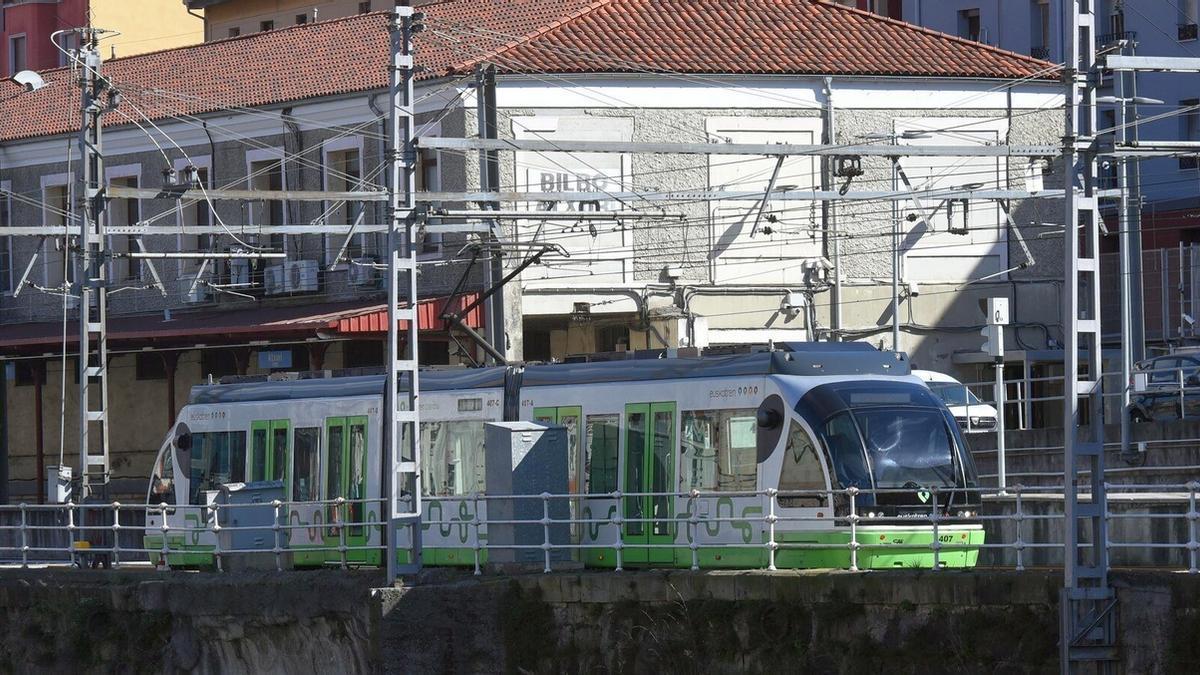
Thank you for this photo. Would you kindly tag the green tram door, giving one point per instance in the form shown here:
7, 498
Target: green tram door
269, 451
649, 468
346, 477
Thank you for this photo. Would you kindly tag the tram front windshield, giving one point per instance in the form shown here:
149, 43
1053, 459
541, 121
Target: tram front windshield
907, 446
887, 434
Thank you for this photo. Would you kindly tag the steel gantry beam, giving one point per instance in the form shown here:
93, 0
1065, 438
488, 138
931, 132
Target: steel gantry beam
768, 149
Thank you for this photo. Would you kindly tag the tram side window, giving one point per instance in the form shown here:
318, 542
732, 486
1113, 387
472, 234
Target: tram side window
600, 460
217, 457
452, 457
306, 467
718, 450
846, 451
801, 470
162, 488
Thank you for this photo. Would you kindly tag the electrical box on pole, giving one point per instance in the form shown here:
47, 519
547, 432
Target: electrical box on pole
997, 319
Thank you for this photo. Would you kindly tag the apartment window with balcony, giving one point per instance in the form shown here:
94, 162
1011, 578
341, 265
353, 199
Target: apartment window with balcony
1040, 31
16, 54
1189, 16
968, 25
1189, 129
6, 253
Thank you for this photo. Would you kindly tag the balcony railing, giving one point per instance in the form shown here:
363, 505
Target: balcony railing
1187, 31
1108, 39
1042, 53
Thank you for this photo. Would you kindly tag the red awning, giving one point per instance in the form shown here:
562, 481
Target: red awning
269, 322
429, 316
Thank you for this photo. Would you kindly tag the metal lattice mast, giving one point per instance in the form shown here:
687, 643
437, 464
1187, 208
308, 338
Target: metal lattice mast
1087, 621
402, 459
91, 274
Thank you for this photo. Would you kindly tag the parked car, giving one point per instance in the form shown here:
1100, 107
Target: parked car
972, 415
1163, 398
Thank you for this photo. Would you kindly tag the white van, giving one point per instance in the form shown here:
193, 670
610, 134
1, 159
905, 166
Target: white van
973, 415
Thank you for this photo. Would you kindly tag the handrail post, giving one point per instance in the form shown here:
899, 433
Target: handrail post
771, 518
1182, 402
339, 508
693, 519
166, 530
216, 528
853, 493
1193, 544
24, 537
1019, 518
116, 531
546, 531
619, 521
278, 545
936, 544
475, 522
71, 531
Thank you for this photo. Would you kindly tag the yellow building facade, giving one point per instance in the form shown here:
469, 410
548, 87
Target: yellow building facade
146, 26
230, 18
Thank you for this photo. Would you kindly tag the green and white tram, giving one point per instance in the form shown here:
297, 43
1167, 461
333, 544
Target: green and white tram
673, 437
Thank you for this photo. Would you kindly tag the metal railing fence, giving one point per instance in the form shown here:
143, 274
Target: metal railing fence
1149, 525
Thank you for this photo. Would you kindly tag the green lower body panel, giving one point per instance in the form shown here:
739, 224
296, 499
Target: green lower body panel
178, 554
890, 548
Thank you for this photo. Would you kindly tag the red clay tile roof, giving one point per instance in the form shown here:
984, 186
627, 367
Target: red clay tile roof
347, 55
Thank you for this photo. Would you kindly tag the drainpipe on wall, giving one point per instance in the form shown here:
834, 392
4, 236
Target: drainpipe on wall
39, 371
3, 431
833, 244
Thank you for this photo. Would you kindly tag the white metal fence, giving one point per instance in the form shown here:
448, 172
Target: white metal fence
1149, 526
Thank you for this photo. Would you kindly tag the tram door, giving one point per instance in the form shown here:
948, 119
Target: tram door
269, 451
571, 418
649, 468
346, 477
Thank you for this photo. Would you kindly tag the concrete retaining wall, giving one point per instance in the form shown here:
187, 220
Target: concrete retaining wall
630, 622
70, 621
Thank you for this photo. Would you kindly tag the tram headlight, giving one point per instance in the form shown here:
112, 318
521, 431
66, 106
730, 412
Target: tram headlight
966, 513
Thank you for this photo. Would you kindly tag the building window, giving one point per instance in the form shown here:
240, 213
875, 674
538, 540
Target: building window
301, 19
968, 25
363, 354
1040, 30
267, 174
429, 179
67, 43
150, 366
234, 32
218, 363
196, 213
343, 173
56, 212
6, 253
265, 26
364, 7
29, 373
124, 213
16, 54
1189, 16
1189, 128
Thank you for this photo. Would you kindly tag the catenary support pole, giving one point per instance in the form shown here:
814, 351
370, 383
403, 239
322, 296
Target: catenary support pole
402, 457
98, 97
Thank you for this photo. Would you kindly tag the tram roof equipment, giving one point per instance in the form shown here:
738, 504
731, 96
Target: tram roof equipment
800, 359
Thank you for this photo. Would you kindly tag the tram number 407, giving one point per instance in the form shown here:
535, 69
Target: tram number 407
946, 538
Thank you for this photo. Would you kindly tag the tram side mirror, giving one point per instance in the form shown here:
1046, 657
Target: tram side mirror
769, 418
183, 438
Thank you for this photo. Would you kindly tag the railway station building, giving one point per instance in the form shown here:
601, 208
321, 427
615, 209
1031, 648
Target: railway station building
304, 108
